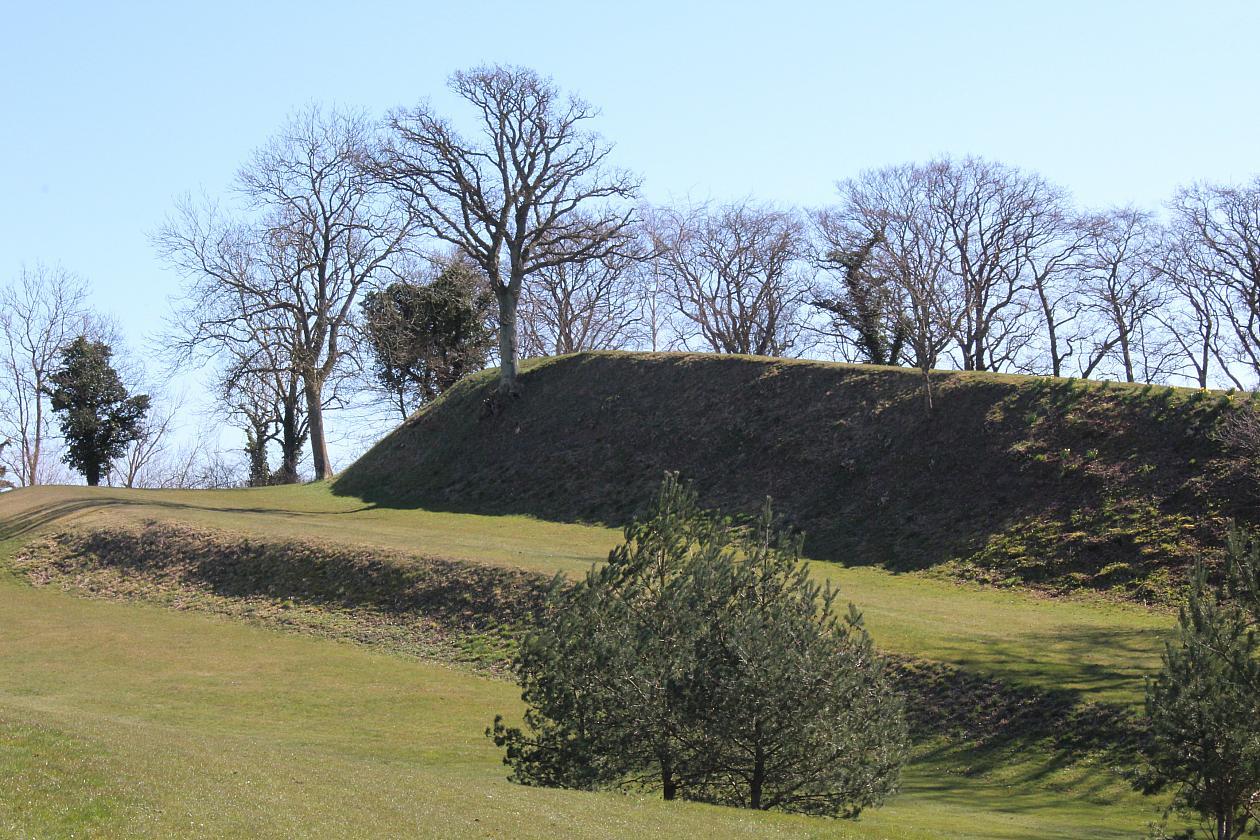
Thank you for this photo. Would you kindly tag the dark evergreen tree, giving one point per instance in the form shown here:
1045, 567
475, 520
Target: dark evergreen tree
1203, 710
99, 419
865, 307
426, 337
4, 484
702, 661
794, 704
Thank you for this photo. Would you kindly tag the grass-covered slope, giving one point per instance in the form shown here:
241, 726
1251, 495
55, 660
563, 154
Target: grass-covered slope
1103, 650
1047, 481
122, 720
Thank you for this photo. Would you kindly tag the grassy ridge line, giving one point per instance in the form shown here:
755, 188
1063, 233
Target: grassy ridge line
182, 725
1056, 483
1103, 650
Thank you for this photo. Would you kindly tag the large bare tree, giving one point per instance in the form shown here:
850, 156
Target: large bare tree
531, 193
290, 274
1120, 287
890, 212
40, 312
735, 275
1192, 321
1219, 232
994, 216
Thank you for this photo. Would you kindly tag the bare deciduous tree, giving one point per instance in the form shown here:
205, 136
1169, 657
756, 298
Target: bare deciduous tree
995, 216
41, 312
590, 305
1192, 320
531, 194
891, 208
735, 275
290, 277
1052, 250
1219, 231
1120, 287
151, 445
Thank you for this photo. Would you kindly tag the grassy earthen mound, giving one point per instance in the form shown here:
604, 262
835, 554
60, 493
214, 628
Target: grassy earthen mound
1057, 483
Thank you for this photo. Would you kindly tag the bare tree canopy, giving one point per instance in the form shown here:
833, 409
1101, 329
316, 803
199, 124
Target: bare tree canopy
289, 276
1120, 287
532, 192
994, 217
1218, 233
735, 274
40, 313
594, 304
886, 216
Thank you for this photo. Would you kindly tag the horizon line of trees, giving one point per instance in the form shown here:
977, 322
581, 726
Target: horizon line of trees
325, 280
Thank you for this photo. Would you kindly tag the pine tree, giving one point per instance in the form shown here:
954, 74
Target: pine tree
702, 661
1203, 711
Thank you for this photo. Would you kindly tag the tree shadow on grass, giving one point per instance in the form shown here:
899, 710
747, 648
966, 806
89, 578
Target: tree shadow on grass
1108, 662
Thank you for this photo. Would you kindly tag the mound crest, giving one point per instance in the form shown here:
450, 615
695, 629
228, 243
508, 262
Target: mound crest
1052, 482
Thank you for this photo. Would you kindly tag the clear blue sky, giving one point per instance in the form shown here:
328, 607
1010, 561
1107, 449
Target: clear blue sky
112, 109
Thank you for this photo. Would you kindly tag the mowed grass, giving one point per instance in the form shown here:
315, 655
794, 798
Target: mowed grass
126, 720
1103, 650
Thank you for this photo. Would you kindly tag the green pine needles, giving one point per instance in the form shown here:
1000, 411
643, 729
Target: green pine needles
1204, 707
703, 662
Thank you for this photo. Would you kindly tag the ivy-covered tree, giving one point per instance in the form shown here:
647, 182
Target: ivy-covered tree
864, 309
702, 661
4, 485
426, 337
99, 418
1203, 706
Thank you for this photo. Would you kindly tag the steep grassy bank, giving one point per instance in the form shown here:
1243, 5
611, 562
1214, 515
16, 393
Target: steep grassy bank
1057, 483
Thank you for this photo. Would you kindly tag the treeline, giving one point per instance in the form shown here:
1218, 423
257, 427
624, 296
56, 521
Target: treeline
357, 260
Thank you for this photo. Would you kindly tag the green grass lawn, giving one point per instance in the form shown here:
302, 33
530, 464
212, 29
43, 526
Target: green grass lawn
1104, 650
123, 719
126, 720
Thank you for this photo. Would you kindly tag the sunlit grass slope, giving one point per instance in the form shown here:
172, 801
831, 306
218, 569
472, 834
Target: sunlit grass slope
1102, 649
124, 720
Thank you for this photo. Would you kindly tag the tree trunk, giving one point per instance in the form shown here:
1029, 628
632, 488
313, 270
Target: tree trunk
32, 467
1126, 355
669, 787
93, 475
256, 451
290, 440
758, 779
1047, 312
507, 341
315, 420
